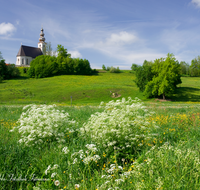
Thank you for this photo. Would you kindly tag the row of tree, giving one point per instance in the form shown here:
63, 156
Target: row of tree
7, 71
63, 64
111, 69
158, 78
192, 70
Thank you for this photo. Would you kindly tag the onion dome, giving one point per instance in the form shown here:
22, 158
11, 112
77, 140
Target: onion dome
42, 38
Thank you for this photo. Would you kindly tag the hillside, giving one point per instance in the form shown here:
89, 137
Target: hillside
85, 90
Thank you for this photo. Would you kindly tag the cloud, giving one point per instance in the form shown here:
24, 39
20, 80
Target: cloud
6, 29
75, 54
121, 38
196, 2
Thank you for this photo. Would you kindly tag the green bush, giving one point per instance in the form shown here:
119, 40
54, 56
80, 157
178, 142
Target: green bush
114, 70
8, 71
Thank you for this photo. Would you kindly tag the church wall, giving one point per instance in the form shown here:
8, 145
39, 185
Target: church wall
23, 60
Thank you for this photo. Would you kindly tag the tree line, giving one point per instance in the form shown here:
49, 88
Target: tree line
62, 64
7, 71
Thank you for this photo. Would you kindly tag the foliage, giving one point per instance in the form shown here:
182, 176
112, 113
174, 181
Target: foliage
123, 125
62, 52
8, 71
104, 67
3, 69
1, 57
166, 77
134, 67
143, 74
43, 66
39, 124
48, 49
12, 71
114, 70
195, 67
46, 65
185, 67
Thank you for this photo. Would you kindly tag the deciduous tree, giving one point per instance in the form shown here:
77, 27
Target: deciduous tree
166, 75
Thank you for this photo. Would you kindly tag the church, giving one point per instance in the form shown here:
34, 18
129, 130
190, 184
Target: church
26, 53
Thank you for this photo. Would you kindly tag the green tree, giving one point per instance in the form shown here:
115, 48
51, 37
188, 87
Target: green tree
195, 67
62, 52
134, 67
143, 74
3, 69
104, 67
166, 75
184, 68
48, 49
1, 57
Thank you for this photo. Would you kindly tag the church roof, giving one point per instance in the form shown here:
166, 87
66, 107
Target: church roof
29, 51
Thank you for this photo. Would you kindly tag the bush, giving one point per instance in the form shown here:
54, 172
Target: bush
44, 124
8, 71
123, 125
46, 66
114, 70
12, 71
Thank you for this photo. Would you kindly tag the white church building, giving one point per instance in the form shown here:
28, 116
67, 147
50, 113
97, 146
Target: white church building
26, 53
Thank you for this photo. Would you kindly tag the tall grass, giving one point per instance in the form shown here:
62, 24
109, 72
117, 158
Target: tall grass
169, 160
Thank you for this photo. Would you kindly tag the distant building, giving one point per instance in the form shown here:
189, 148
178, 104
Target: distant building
26, 53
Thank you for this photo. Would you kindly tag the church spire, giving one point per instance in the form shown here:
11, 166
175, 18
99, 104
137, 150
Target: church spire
41, 43
42, 38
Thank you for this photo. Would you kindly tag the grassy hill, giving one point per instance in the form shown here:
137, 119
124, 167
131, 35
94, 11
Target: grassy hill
85, 90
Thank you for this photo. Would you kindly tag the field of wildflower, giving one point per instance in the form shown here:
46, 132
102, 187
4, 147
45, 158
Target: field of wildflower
121, 144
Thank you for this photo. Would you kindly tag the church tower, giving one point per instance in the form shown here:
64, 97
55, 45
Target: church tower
41, 43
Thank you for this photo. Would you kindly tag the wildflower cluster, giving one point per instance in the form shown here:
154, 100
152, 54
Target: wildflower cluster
86, 157
39, 124
123, 125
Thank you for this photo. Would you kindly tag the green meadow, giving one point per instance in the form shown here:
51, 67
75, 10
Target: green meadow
165, 153
59, 89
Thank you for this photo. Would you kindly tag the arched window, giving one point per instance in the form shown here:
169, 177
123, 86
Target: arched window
18, 61
23, 61
27, 61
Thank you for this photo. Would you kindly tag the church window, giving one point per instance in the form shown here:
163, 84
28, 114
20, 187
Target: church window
27, 61
18, 61
22, 61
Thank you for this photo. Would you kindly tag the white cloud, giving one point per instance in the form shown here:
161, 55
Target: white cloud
75, 54
121, 38
6, 29
196, 2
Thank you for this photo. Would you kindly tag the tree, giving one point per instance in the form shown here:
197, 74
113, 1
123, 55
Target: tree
62, 52
3, 69
104, 67
184, 68
1, 57
48, 49
143, 74
134, 67
166, 75
195, 67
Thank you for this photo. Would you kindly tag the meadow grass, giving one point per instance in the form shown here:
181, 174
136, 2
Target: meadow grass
85, 90
171, 160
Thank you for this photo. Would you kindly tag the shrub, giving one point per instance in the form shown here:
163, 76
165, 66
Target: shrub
123, 125
39, 124
12, 71
114, 70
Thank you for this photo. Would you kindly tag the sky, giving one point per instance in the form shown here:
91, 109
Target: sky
110, 32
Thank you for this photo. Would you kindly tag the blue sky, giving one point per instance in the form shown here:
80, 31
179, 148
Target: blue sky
110, 32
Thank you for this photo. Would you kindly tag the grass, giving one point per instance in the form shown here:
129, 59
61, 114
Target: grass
169, 161
83, 89
174, 165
